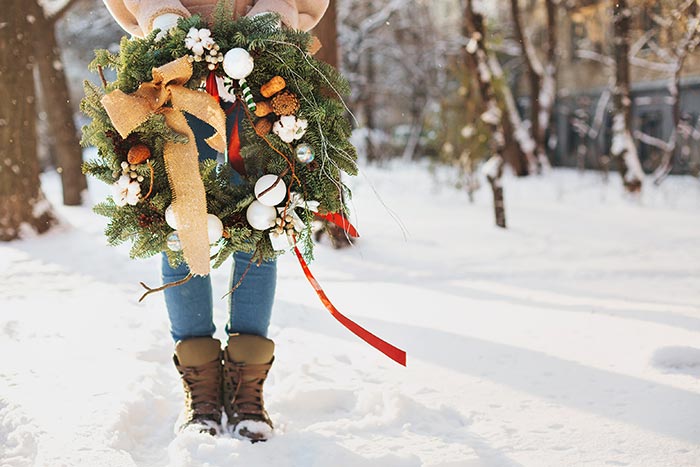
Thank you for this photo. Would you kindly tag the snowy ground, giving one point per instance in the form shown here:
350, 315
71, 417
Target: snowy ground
571, 339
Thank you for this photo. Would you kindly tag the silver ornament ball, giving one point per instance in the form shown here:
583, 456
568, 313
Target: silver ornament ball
305, 153
174, 242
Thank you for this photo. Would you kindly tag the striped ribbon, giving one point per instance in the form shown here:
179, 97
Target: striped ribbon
247, 94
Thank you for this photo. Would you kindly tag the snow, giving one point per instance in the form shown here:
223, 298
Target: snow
623, 146
570, 339
492, 167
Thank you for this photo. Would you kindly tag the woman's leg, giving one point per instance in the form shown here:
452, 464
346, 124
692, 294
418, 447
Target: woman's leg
189, 305
251, 303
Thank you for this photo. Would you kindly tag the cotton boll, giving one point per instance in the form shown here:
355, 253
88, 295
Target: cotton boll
126, 191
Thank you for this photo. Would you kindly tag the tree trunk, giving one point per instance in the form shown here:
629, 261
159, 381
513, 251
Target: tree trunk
623, 147
548, 89
541, 78
327, 32
534, 76
666, 164
58, 108
687, 45
473, 26
22, 202
498, 199
369, 104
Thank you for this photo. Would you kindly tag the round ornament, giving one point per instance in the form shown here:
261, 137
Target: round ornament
261, 217
174, 242
270, 196
170, 217
238, 63
215, 228
304, 153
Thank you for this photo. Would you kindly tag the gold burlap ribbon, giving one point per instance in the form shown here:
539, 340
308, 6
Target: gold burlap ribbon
128, 111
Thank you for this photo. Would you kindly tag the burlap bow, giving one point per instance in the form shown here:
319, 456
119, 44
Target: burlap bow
128, 111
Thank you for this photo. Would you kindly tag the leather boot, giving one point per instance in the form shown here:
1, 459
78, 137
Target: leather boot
247, 360
199, 362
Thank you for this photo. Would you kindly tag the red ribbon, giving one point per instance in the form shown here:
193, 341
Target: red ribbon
212, 87
394, 353
340, 220
234, 142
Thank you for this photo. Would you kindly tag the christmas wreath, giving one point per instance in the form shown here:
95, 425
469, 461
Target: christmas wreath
285, 148
288, 147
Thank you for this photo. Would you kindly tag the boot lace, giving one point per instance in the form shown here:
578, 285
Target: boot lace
245, 384
202, 385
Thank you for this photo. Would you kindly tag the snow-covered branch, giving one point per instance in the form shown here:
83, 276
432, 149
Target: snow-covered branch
596, 57
653, 141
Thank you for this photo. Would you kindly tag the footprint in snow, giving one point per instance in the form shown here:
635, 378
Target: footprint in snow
678, 359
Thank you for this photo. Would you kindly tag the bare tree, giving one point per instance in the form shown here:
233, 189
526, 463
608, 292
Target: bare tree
57, 100
327, 32
22, 203
477, 60
541, 77
365, 43
519, 143
623, 147
670, 59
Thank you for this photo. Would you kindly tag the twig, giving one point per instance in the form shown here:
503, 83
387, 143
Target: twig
150, 189
163, 287
102, 76
240, 281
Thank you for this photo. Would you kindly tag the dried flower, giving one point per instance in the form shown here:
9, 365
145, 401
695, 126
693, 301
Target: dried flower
198, 40
126, 191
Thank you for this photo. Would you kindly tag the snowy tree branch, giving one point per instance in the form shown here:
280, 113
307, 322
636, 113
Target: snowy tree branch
653, 141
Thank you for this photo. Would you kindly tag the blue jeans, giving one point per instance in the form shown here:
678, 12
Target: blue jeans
190, 305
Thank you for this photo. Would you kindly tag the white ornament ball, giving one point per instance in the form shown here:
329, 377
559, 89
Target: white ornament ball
274, 196
238, 63
170, 217
215, 228
261, 217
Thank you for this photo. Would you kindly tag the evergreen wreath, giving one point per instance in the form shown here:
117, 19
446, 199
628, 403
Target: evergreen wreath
295, 134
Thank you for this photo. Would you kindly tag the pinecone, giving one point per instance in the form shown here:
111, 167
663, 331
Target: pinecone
122, 145
285, 103
145, 220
